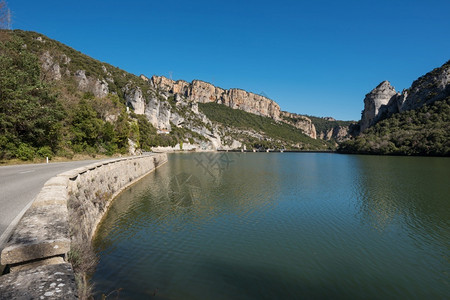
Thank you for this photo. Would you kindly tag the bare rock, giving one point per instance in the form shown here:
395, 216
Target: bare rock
176, 119
65, 59
158, 113
301, 122
431, 87
204, 92
98, 88
81, 79
135, 99
143, 77
379, 96
50, 67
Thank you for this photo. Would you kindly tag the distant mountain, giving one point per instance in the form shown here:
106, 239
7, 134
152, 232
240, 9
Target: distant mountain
414, 122
55, 100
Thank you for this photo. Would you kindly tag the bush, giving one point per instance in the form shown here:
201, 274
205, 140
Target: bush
25, 152
45, 152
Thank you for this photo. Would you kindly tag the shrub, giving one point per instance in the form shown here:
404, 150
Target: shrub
25, 152
45, 151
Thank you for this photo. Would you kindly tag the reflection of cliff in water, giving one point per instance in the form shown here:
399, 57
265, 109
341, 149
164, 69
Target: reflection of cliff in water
411, 191
186, 191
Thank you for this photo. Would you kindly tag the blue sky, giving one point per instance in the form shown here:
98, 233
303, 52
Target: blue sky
313, 57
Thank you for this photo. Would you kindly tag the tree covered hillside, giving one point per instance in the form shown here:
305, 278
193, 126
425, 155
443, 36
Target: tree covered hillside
278, 135
424, 131
43, 118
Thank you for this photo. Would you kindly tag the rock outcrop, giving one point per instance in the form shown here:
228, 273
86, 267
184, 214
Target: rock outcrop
301, 122
383, 101
158, 113
135, 99
200, 91
379, 96
431, 87
50, 67
88, 84
172, 107
337, 133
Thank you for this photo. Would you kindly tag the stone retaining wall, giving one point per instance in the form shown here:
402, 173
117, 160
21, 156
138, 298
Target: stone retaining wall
66, 211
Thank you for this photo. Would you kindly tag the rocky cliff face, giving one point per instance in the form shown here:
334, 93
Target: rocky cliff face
203, 92
99, 88
183, 113
50, 67
383, 101
431, 87
338, 133
379, 96
301, 122
135, 99
170, 106
54, 67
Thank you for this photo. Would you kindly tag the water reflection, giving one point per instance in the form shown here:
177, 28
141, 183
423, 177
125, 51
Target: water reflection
404, 190
408, 198
184, 190
265, 226
187, 192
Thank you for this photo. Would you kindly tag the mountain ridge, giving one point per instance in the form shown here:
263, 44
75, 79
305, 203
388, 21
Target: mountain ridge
94, 97
384, 101
414, 122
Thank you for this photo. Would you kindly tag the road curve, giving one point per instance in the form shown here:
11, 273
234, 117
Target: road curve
20, 184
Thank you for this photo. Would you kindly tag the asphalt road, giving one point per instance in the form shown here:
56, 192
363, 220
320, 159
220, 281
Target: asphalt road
20, 184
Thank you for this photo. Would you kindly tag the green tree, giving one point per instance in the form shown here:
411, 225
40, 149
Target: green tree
122, 131
29, 112
86, 126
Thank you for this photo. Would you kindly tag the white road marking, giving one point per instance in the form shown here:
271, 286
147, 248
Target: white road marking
26, 172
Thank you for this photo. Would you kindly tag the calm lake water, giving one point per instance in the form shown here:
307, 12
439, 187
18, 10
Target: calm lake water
280, 226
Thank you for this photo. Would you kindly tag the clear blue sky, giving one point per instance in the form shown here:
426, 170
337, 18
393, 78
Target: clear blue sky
313, 57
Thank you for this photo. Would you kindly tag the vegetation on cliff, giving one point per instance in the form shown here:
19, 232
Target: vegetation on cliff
323, 125
30, 113
36, 121
278, 135
40, 117
54, 103
424, 131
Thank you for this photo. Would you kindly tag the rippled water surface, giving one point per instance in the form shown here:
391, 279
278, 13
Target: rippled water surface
280, 226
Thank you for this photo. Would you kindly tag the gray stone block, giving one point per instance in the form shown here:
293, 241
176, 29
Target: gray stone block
51, 195
45, 282
49, 261
43, 232
57, 180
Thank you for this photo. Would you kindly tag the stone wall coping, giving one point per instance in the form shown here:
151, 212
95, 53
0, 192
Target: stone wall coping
41, 238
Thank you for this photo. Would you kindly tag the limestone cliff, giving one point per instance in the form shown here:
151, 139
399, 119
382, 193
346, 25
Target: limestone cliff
54, 67
135, 99
203, 92
176, 109
337, 133
379, 96
383, 101
90, 84
301, 122
431, 87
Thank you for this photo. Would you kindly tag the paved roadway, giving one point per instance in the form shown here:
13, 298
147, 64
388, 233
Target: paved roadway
20, 184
